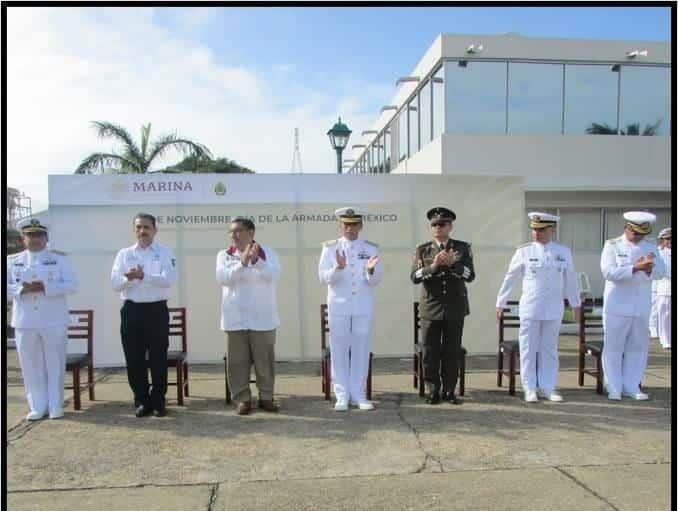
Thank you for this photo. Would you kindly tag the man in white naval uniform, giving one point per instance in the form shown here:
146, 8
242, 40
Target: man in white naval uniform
629, 264
548, 277
38, 281
351, 269
661, 290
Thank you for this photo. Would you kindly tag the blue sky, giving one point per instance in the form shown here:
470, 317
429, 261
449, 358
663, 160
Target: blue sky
241, 79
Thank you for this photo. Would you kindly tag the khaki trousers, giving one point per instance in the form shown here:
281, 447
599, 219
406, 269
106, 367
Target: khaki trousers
245, 347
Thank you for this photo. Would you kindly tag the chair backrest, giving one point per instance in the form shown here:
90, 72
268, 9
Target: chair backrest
510, 319
81, 327
177, 325
324, 326
584, 285
590, 321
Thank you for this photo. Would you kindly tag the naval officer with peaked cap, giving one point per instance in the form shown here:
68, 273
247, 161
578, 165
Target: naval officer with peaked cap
351, 268
629, 264
661, 290
38, 280
548, 277
442, 266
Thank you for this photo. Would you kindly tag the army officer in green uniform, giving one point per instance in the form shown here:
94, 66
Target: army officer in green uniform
442, 266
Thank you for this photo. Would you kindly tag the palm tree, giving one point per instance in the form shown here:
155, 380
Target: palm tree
650, 130
134, 158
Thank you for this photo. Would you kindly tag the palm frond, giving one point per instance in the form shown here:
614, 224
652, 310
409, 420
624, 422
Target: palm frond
109, 130
184, 146
98, 162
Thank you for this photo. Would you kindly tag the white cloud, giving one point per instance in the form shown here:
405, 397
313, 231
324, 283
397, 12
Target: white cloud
69, 66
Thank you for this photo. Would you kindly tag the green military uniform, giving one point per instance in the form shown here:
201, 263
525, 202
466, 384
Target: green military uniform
442, 308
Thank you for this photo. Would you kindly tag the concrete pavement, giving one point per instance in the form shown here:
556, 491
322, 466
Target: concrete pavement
494, 451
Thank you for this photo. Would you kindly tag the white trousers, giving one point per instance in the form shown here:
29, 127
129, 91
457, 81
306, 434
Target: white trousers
626, 340
654, 318
350, 334
664, 320
538, 341
42, 355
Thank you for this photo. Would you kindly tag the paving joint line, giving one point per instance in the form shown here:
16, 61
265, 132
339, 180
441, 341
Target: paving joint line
587, 488
428, 457
214, 492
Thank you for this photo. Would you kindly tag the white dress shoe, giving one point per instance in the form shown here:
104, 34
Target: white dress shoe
34, 416
614, 396
365, 405
58, 414
638, 396
341, 406
531, 396
551, 396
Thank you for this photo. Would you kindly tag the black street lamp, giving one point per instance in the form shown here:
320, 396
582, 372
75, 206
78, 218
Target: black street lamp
339, 135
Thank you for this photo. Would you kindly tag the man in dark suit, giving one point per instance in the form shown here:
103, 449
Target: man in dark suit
443, 266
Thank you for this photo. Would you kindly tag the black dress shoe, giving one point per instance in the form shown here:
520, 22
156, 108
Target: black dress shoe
143, 411
453, 399
160, 412
433, 398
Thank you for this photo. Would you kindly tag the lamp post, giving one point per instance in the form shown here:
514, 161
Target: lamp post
339, 135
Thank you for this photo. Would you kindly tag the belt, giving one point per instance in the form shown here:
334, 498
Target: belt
142, 304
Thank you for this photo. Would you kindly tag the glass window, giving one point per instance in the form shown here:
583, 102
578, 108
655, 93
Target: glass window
645, 101
590, 99
475, 97
402, 135
387, 149
535, 100
437, 103
425, 114
413, 108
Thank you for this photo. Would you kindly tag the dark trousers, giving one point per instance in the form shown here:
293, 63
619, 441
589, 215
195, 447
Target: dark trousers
144, 328
442, 343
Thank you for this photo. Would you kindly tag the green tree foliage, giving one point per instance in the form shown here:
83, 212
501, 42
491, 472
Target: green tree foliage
207, 165
135, 158
650, 130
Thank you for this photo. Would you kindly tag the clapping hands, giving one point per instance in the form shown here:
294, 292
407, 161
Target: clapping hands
135, 273
251, 254
341, 259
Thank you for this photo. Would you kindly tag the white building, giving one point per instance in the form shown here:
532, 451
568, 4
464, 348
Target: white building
587, 123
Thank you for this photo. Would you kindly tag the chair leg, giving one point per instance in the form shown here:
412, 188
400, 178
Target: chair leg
415, 368
369, 379
500, 367
582, 363
422, 382
327, 378
512, 373
462, 374
599, 375
185, 365
228, 391
90, 381
76, 387
322, 375
180, 383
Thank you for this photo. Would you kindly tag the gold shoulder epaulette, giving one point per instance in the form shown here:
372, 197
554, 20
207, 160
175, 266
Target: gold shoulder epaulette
612, 240
524, 244
329, 243
422, 245
60, 252
371, 243
14, 256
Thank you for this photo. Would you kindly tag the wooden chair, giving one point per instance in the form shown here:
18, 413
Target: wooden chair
591, 342
418, 359
178, 358
81, 327
508, 349
325, 361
